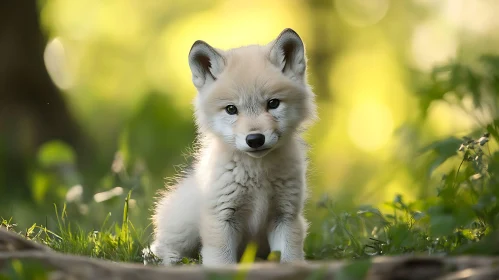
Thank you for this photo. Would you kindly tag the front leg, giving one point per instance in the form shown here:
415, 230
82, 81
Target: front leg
288, 228
287, 235
221, 227
220, 238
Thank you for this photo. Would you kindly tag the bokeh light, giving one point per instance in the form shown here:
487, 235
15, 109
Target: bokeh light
370, 125
362, 13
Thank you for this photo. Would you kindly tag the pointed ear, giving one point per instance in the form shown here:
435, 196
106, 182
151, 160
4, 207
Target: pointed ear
288, 54
206, 64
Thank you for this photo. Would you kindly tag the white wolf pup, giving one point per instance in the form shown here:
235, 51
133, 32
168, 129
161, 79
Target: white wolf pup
248, 182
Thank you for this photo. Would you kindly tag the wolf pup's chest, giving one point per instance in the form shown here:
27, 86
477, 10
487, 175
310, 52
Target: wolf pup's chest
251, 177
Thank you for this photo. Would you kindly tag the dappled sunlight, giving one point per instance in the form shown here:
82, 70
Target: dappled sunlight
474, 16
435, 36
369, 91
362, 13
400, 184
74, 193
368, 69
446, 119
370, 125
103, 196
387, 189
87, 21
56, 64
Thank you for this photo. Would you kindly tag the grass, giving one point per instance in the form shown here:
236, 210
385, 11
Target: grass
116, 242
461, 219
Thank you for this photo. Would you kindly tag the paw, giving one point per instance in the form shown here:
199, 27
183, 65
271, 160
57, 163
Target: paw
152, 255
211, 256
149, 257
297, 258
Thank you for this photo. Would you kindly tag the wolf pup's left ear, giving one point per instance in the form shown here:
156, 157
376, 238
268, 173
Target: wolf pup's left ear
288, 54
206, 64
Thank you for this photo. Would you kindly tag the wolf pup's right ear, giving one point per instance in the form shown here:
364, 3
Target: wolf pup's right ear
288, 54
206, 64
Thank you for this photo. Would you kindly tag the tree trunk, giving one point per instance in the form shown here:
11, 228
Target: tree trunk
32, 110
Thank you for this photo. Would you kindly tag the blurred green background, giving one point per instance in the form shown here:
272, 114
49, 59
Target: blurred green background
96, 96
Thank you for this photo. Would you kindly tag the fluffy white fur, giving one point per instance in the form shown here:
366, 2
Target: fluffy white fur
234, 193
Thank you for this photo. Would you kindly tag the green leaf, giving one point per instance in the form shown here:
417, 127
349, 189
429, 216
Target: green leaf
447, 147
40, 186
55, 153
442, 225
417, 215
444, 149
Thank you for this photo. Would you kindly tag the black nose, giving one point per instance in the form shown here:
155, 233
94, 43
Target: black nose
255, 140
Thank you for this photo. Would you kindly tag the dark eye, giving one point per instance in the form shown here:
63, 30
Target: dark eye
231, 109
273, 103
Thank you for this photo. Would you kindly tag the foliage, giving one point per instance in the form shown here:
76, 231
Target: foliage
462, 216
117, 242
456, 221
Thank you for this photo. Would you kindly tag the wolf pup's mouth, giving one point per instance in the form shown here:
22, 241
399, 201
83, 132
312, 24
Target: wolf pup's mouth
258, 153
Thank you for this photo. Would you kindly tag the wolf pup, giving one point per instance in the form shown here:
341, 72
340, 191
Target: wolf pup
248, 182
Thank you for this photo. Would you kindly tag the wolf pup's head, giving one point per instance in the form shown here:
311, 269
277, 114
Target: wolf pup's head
253, 98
